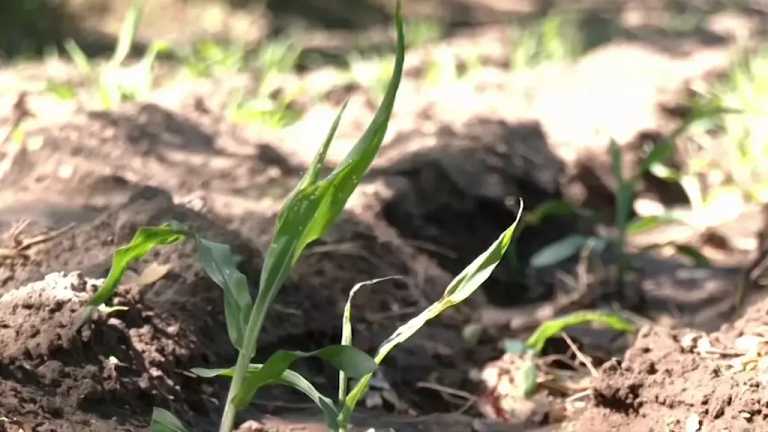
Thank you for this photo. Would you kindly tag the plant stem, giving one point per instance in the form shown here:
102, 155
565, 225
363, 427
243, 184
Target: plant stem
250, 342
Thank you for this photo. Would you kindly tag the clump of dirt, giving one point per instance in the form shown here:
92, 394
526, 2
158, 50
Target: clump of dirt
110, 375
686, 380
104, 376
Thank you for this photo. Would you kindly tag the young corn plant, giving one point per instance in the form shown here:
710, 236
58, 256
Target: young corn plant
624, 224
308, 213
532, 347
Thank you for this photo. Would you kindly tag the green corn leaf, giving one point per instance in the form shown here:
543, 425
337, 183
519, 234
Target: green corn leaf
127, 33
660, 154
643, 224
351, 360
78, 57
145, 239
288, 378
220, 264
550, 208
617, 167
553, 327
346, 329
625, 189
694, 254
457, 291
624, 197
315, 204
559, 250
165, 421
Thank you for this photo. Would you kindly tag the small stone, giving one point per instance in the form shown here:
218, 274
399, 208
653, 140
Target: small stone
693, 423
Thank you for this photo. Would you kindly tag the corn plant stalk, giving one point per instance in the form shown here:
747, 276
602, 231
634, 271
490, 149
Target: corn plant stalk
307, 214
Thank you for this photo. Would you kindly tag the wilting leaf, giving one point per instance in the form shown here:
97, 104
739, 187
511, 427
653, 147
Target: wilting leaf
553, 327
559, 251
457, 291
346, 329
164, 421
220, 264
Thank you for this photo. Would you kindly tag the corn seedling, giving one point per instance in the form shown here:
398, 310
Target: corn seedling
210, 58
271, 102
529, 350
725, 141
308, 213
116, 81
624, 224
424, 31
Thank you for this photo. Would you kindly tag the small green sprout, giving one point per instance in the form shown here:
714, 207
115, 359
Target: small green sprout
116, 81
528, 372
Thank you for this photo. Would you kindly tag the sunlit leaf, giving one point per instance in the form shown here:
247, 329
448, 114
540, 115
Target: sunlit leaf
643, 224
220, 264
127, 32
559, 251
660, 153
553, 327
78, 57
165, 421
145, 239
457, 291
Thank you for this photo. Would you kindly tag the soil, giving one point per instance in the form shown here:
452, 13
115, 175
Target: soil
448, 180
681, 379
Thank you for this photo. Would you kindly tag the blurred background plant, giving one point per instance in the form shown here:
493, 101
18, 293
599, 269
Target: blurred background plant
725, 148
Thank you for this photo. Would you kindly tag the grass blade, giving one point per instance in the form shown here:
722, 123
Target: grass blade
553, 327
127, 33
165, 421
78, 57
220, 264
457, 291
